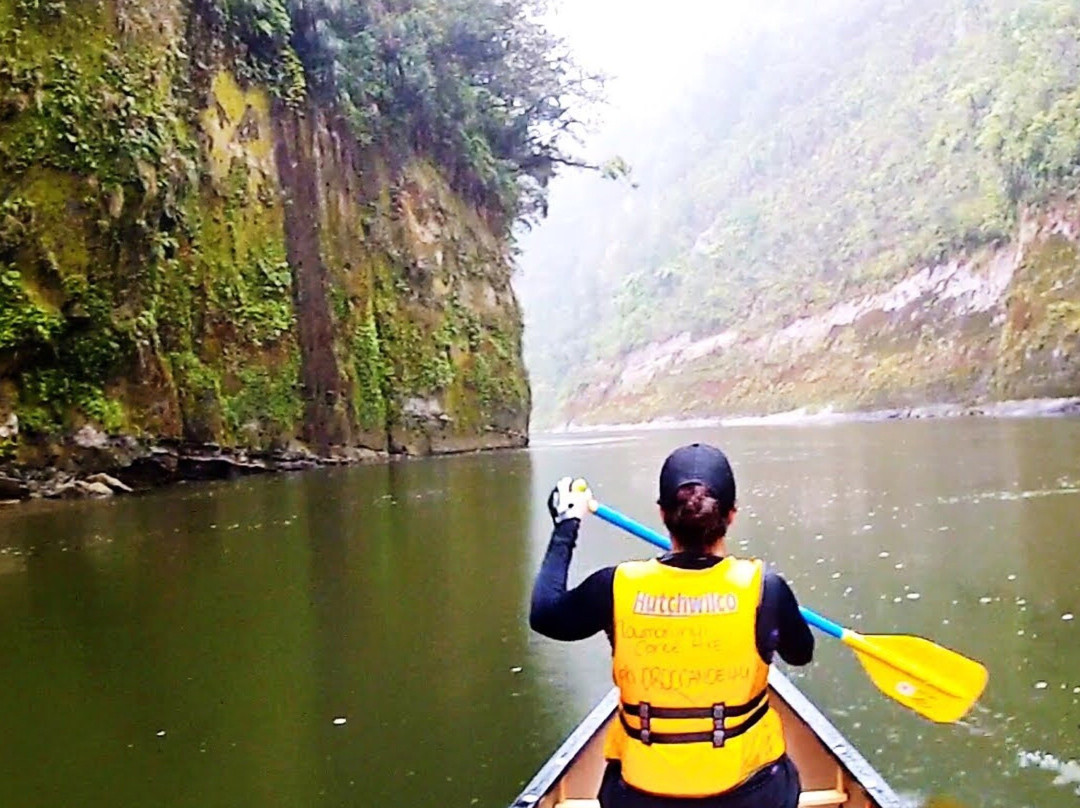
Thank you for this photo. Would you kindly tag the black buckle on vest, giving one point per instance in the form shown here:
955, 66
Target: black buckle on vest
718, 735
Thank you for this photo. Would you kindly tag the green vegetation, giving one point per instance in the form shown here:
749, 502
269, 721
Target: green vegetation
371, 373
266, 400
495, 377
148, 265
199, 387
101, 112
479, 85
257, 295
261, 31
63, 357
93, 161
824, 161
23, 323
145, 285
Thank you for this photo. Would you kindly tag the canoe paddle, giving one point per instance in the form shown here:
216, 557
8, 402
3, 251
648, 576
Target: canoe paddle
932, 680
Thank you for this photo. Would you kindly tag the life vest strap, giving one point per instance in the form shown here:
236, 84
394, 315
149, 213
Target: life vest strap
719, 735
730, 710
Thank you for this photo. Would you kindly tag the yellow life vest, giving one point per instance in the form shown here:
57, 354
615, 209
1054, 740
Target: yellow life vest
694, 718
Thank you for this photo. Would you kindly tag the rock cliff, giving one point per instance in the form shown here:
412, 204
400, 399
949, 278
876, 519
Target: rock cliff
193, 263
998, 324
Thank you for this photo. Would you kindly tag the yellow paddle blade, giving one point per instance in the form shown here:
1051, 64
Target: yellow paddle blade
934, 681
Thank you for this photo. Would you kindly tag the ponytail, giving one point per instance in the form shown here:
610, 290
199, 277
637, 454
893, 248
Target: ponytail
696, 520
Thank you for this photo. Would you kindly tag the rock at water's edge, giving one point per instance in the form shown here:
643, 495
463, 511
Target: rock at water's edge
13, 489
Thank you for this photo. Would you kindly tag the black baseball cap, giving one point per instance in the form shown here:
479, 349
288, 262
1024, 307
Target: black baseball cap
697, 463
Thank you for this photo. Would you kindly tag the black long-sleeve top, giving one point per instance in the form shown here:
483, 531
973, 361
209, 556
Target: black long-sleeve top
589, 607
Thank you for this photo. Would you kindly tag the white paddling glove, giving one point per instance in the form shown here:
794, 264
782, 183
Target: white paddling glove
569, 499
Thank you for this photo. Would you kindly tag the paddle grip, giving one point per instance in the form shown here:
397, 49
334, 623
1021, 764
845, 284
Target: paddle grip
664, 543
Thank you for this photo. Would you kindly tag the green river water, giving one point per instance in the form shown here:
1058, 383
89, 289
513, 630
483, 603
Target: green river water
199, 647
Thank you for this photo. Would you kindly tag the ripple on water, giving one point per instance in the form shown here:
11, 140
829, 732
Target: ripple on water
1067, 772
1011, 496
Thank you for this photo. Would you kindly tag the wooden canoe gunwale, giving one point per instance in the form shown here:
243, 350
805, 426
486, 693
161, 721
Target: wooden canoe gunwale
848, 756
830, 737
552, 771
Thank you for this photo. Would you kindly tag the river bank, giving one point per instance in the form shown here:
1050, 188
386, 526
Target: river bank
995, 324
111, 466
94, 465
103, 466
1022, 408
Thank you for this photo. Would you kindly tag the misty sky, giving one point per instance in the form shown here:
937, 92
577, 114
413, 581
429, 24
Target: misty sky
652, 54
652, 51
643, 45
648, 47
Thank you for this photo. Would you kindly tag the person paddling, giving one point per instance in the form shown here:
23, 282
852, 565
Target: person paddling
693, 633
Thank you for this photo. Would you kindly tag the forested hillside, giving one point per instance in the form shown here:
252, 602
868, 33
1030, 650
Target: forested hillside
811, 164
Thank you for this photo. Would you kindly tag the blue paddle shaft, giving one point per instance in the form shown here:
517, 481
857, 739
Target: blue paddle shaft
823, 623
631, 526
664, 543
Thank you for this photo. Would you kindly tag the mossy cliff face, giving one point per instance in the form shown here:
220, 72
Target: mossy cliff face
410, 332
999, 324
186, 257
